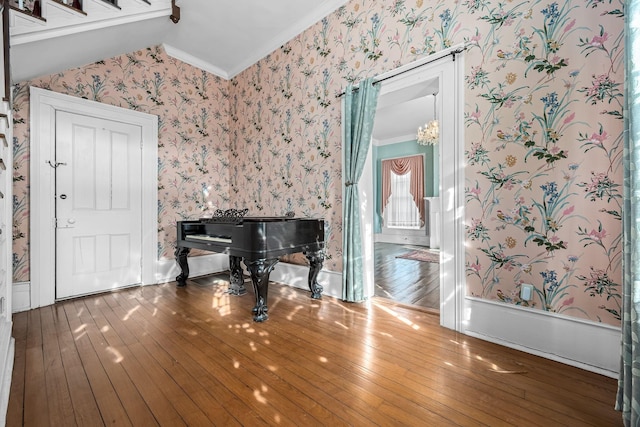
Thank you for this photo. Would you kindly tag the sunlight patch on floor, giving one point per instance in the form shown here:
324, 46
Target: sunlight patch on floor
116, 354
130, 312
258, 394
397, 316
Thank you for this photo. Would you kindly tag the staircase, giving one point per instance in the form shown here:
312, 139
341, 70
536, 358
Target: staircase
59, 18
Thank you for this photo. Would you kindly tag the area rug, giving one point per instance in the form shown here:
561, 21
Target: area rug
424, 256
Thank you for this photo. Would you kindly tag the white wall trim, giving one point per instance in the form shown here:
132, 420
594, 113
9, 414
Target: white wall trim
587, 345
290, 274
21, 297
395, 140
44, 105
289, 33
198, 266
298, 276
196, 62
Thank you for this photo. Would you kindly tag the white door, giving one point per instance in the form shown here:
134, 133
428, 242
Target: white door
98, 204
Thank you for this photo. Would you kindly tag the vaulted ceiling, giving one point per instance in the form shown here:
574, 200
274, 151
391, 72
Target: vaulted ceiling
221, 36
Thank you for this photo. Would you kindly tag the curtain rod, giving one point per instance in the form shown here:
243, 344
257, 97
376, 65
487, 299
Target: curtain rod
400, 157
453, 53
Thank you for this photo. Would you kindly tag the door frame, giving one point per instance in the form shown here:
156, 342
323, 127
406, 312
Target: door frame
43, 107
452, 250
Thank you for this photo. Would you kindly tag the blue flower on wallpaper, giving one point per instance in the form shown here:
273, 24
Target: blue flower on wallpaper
551, 13
551, 103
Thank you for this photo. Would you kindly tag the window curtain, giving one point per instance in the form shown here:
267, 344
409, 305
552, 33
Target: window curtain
359, 110
628, 399
401, 166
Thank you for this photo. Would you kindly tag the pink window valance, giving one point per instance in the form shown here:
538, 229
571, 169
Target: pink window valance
401, 166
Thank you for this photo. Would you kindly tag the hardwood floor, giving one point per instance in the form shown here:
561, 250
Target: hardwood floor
403, 280
159, 355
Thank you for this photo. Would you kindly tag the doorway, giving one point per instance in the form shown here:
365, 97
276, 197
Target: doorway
445, 70
45, 106
406, 248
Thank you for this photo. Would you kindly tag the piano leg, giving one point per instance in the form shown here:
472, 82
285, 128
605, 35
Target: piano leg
236, 280
315, 265
260, 270
181, 258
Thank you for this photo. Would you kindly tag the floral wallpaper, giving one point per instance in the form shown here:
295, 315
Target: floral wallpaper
543, 135
192, 106
543, 130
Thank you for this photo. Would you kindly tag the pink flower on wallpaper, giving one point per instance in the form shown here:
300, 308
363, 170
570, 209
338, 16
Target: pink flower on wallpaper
569, 118
567, 302
598, 137
570, 25
598, 235
600, 80
568, 211
599, 40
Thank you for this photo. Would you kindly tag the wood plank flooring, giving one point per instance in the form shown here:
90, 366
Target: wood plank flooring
160, 355
406, 281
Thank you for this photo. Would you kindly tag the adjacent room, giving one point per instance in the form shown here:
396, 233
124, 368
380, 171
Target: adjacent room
329, 212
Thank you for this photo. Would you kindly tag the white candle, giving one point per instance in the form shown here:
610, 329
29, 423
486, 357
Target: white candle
21, 4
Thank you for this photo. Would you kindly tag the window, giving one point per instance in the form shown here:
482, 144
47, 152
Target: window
403, 192
401, 210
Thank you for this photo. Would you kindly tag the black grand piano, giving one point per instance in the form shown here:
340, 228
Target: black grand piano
258, 242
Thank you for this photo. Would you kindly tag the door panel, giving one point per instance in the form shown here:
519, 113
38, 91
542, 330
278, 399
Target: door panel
98, 205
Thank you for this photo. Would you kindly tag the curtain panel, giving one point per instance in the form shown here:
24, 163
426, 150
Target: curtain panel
401, 166
359, 111
628, 399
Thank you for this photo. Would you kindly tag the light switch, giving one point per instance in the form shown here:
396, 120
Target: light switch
526, 292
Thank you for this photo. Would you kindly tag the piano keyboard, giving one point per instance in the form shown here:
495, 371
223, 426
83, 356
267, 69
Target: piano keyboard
208, 238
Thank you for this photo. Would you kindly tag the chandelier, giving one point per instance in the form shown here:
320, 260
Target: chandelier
430, 135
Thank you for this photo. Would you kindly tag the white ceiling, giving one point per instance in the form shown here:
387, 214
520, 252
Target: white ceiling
401, 112
223, 37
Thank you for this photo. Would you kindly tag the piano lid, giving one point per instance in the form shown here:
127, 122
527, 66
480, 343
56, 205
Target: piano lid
216, 220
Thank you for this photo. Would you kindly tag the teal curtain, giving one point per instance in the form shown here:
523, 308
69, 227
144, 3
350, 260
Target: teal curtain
628, 400
359, 110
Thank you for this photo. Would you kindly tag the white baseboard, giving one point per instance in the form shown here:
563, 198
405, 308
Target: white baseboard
401, 239
290, 274
166, 271
7, 350
587, 345
298, 277
198, 266
21, 297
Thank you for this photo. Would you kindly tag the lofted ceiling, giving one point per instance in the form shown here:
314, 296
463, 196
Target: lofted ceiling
223, 37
